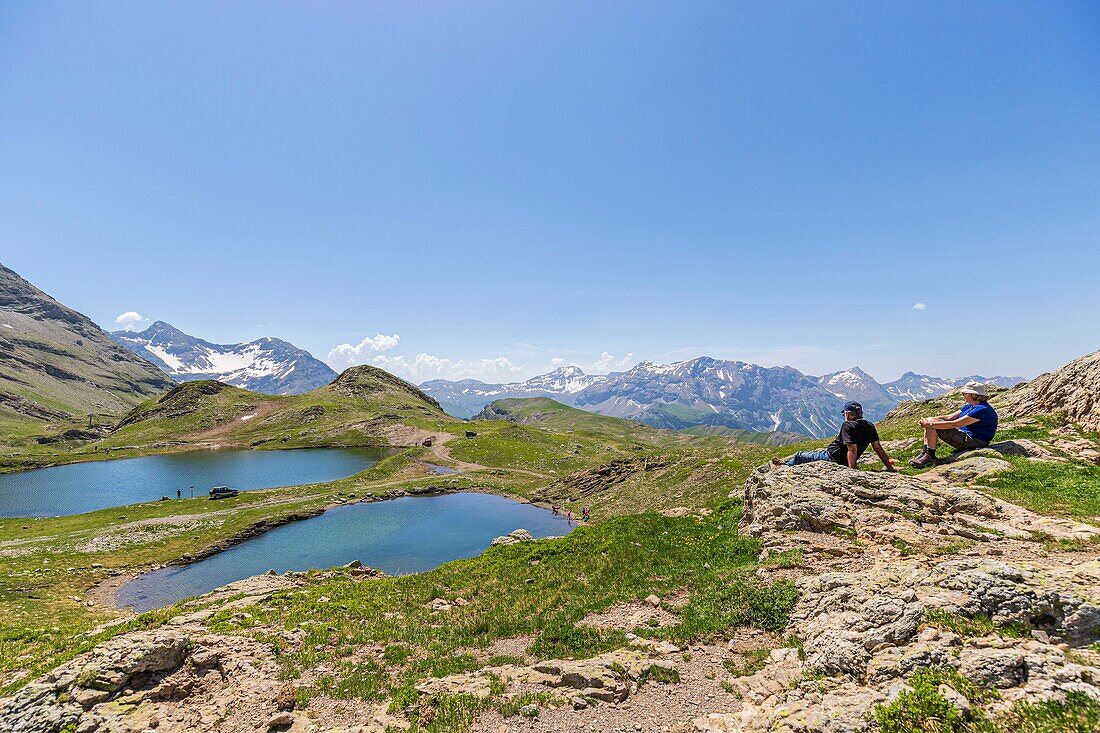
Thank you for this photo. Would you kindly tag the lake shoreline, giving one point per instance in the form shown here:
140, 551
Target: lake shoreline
31, 464
106, 591
82, 487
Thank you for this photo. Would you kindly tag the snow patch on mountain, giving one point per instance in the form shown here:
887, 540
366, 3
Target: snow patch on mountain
267, 365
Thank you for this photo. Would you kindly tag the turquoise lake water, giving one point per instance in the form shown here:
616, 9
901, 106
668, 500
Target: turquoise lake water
85, 487
399, 536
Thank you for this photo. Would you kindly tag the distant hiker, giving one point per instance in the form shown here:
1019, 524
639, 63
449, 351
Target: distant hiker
971, 426
179, 493
569, 514
554, 508
854, 437
585, 516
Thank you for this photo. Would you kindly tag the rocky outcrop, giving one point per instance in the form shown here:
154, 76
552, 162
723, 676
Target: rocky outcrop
512, 538
1073, 391
817, 504
174, 680
61, 698
609, 677
933, 575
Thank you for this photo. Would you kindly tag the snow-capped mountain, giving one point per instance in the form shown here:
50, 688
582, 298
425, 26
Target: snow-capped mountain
701, 391
856, 384
267, 365
706, 391
912, 386
467, 397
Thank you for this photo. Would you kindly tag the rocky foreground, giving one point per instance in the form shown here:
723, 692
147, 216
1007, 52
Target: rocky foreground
896, 574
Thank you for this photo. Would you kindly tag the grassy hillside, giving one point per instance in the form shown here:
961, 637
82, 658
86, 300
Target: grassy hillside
57, 366
535, 449
747, 436
553, 415
353, 410
365, 406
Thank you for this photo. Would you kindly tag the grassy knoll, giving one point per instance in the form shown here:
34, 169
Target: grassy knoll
359, 409
388, 636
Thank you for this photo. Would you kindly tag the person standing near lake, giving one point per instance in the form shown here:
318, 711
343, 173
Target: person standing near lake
972, 426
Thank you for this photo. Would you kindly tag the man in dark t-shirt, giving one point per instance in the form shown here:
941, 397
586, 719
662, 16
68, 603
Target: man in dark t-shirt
854, 437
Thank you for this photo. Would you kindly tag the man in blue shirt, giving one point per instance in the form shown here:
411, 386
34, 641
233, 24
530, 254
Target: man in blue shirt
972, 426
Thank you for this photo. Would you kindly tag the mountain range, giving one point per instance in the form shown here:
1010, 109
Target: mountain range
710, 392
56, 364
267, 365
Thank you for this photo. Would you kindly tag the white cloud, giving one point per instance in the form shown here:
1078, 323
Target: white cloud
423, 367
608, 363
919, 306
130, 320
345, 355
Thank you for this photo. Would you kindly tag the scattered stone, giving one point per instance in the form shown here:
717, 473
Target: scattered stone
281, 720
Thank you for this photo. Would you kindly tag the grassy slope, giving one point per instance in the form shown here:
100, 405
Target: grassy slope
48, 560
747, 436
539, 589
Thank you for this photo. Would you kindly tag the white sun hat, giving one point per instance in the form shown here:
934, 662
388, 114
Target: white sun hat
975, 388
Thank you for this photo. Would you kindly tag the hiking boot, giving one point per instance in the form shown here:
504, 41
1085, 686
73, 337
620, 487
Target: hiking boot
926, 458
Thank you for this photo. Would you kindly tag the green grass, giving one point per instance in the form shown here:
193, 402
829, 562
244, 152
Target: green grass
746, 436
1078, 713
924, 709
622, 559
972, 625
1063, 489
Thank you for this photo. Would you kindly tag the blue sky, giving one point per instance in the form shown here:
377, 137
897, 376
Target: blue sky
499, 187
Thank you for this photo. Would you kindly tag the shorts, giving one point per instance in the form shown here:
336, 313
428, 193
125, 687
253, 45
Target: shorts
959, 440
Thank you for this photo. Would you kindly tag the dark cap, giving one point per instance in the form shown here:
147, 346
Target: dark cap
853, 407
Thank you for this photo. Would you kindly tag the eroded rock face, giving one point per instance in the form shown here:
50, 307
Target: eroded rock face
1073, 390
62, 696
170, 679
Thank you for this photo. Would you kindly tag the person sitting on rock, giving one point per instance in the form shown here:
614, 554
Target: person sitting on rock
971, 426
854, 437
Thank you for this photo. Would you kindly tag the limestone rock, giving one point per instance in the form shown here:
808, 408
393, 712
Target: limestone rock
1073, 390
609, 677
512, 538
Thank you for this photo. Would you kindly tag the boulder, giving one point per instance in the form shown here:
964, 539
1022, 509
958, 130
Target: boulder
514, 537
